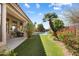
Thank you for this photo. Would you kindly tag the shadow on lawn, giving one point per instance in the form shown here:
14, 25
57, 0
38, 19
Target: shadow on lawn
31, 47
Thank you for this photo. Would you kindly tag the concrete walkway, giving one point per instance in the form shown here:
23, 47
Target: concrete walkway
13, 43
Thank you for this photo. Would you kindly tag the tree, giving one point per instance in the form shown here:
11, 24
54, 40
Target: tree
41, 28
57, 24
29, 28
54, 25
49, 17
72, 15
35, 24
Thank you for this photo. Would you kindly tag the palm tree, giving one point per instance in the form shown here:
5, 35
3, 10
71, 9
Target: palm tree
49, 17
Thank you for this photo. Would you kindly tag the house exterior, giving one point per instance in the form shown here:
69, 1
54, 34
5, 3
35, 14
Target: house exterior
11, 17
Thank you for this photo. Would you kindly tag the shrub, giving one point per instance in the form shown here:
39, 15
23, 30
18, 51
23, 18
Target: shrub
72, 42
29, 28
8, 53
70, 39
61, 37
74, 45
41, 28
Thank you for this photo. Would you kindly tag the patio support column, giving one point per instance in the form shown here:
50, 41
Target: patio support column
25, 34
4, 23
10, 24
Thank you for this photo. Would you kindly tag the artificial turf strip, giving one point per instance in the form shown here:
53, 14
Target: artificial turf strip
39, 45
31, 47
51, 48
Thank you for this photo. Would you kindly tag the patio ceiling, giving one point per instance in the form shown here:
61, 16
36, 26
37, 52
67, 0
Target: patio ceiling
16, 13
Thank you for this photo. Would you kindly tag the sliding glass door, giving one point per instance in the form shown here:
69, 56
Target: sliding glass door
0, 23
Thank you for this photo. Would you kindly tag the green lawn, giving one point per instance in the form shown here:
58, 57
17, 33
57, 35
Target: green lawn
39, 45
31, 47
51, 48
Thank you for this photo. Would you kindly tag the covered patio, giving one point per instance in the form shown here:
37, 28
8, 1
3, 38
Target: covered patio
15, 22
13, 43
12, 25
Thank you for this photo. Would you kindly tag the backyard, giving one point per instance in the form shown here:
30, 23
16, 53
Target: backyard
45, 35
39, 45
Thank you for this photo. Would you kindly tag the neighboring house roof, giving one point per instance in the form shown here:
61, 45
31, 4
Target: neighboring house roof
15, 10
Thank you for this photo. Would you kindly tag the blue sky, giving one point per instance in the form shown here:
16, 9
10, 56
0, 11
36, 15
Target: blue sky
36, 11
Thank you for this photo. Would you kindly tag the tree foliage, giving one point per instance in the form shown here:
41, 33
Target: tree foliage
29, 28
54, 22
49, 16
72, 15
57, 24
41, 28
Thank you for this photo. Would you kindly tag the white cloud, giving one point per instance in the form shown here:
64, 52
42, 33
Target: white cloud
37, 5
27, 5
70, 4
57, 6
61, 16
40, 14
31, 12
46, 25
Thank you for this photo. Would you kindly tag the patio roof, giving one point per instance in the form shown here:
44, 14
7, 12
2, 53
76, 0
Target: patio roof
16, 11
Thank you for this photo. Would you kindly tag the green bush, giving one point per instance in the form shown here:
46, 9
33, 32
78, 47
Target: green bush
8, 53
29, 28
41, 28
61, 37
71, 41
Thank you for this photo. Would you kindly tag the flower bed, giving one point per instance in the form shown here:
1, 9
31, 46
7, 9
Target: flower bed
68, 36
